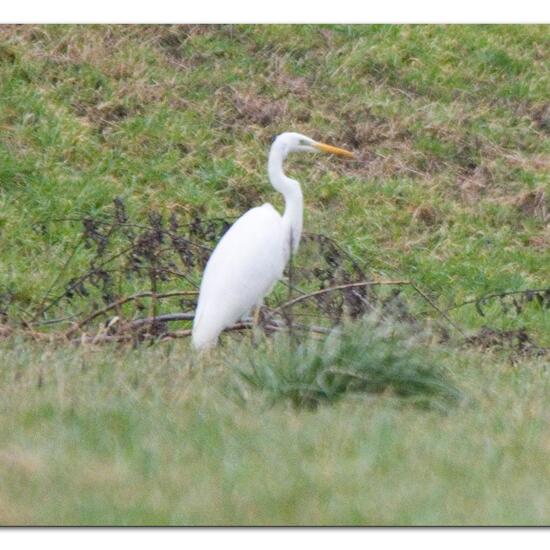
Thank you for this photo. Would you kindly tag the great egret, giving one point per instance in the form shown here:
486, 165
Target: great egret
251, 256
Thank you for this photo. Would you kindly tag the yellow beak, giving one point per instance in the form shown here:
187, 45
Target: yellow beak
334, 150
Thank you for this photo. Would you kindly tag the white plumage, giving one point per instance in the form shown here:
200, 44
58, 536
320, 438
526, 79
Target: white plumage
251, 256
239, 274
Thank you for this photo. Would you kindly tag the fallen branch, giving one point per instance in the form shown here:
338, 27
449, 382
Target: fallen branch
129, 336
168, 317
101, 337
122, 301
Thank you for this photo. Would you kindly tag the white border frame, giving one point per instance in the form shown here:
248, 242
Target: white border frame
275, 11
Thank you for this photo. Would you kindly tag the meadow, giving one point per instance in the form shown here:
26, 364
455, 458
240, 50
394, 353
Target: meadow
449, 192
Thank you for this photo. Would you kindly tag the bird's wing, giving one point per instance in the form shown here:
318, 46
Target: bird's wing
246, 263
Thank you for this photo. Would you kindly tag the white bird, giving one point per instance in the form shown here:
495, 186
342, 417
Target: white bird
252, 255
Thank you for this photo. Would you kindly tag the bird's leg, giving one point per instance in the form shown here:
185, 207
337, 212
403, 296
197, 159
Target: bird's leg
257, 312
256, 318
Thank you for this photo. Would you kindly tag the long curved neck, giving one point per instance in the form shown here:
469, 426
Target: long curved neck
294, 200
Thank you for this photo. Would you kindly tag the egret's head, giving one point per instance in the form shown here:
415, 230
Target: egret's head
291, 142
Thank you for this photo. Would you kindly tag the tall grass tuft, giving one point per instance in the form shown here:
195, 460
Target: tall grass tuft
373, 356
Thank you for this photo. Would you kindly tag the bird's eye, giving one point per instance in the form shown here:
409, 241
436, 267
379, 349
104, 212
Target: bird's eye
273, 138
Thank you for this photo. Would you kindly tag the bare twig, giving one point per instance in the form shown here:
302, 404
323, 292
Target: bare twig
183, 276
288, 317
438, 309
291, 303
360, 284
52, 321
81, 279
488, 297
40, 311
153, 273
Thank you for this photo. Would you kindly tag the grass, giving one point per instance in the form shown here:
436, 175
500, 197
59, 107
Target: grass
137, 437
451, 124
374, 355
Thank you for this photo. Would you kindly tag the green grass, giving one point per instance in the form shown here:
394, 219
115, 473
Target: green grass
452, 127
138, 437
374, 355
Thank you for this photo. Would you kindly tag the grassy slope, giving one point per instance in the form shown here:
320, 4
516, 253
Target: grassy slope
453, 126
